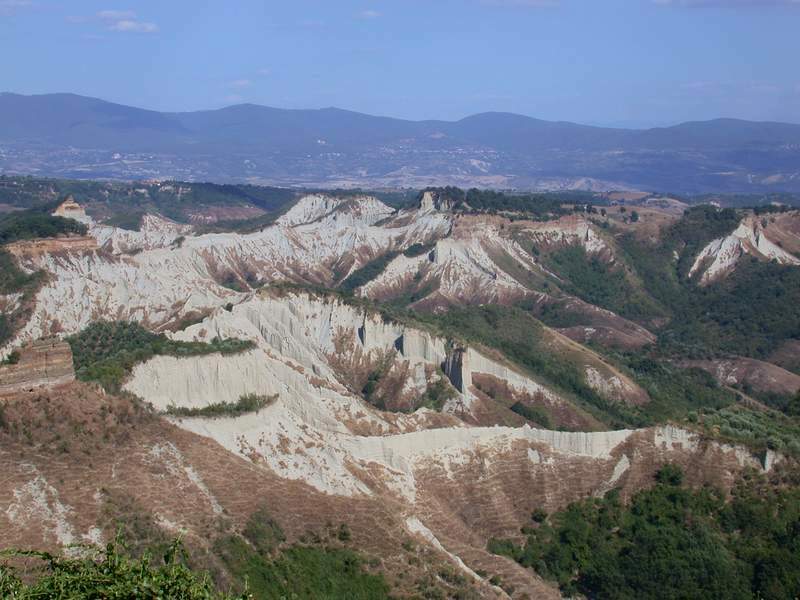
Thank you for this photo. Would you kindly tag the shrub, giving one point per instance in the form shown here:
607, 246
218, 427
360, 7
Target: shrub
245, 404
109, 574
107, 351
670, 474
263, 532
672, 541
12, 358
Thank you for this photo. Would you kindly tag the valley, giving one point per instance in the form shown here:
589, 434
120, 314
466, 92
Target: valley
418, 386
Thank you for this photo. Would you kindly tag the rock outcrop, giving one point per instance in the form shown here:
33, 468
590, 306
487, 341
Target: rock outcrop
45, 363
70, 209
754, 237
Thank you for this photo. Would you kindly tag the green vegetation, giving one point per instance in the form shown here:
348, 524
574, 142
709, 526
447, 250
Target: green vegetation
671, 542
437, 394
592, 279
26, 225
518, 335
536, 206
749, 313
36, 223
319, 571
245, 404
535, 414
263, 532
123, 203
418, 249
14, 280
376, 266
259, 568
107, 574
757, 429
130, 220
368, 272
107, 351
675, 391
302, 572
12, 358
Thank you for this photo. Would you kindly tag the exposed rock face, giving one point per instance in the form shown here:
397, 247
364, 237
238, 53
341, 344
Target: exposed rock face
147, 276
567, 231
752, 238
322, 451
432, 200
44, 363
759, 375
70, 209
456, 367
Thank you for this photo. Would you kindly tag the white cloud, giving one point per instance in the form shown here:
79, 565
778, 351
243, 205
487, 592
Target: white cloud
240, 83
265, 72
133, 26
369, 14
116, 15
125, 21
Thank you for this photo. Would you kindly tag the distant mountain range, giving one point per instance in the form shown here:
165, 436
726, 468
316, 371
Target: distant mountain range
74, 136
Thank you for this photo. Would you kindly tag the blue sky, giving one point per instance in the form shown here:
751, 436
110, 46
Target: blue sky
635, 62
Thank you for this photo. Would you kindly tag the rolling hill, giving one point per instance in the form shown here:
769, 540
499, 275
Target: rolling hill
70, 135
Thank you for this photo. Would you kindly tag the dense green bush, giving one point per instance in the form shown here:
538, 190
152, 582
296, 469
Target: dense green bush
107, 351
536, 414
109, 574
13, 279
671, 542
245, 404
594, 280
31, 224
368, 272
674, 391
437, 394
301, 572
758, 429
537, 206
750, 313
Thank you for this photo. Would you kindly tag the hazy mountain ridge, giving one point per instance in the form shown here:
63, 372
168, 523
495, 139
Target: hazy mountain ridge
65, 134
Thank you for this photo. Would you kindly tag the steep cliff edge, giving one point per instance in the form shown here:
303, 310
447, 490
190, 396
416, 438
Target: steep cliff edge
44, 363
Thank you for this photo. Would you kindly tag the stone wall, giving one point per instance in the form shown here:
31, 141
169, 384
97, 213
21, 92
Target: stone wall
42, 363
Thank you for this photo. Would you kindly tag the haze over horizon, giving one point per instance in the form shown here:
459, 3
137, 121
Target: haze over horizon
624, 63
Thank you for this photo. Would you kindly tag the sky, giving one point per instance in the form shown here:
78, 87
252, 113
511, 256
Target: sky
607, 62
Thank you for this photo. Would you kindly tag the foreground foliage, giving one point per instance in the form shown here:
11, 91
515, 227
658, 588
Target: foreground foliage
301, 572
107, 351
323, 570
108, 574
672, 542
